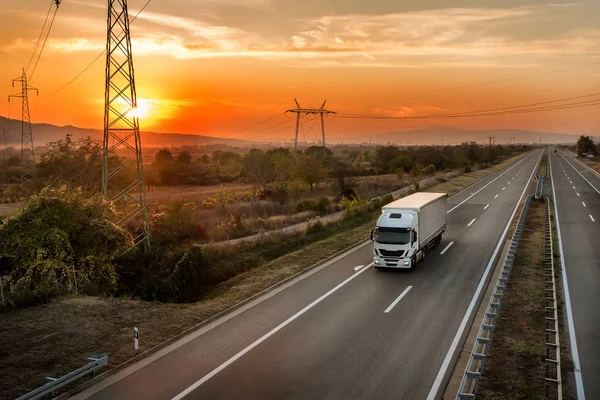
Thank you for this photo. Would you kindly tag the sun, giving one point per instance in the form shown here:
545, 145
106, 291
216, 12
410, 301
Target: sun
143, 108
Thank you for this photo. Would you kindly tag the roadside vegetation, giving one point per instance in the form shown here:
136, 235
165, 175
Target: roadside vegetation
515, 367
69, 328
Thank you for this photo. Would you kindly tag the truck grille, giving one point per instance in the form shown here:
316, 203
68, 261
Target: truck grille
390, 253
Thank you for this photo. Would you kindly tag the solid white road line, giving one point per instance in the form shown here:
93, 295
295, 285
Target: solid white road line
583, 204
485, 208
227, 363
387, 310
592, 218
496, 196
437, 383
358, 267
461, 203
471, 223
446, 248
574, 351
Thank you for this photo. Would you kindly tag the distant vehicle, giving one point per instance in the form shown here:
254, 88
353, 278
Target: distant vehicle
555, 150
407, 228
590, 155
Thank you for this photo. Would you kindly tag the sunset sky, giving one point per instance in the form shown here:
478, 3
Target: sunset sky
215, 67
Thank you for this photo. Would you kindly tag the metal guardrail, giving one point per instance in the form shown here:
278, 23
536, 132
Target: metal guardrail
469, 385
540, 180
553, 378
95, 362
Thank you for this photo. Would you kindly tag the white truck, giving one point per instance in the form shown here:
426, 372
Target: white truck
407, 228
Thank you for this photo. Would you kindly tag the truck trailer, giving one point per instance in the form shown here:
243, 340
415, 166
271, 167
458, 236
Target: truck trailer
407, 228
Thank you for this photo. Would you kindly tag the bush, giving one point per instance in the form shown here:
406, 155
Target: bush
321, 205
354, 207
193, 274
176, 222
467, 168
57, 232
416, 186
386, 199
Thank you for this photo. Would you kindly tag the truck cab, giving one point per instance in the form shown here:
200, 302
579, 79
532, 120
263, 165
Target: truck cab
407, 228
395, 240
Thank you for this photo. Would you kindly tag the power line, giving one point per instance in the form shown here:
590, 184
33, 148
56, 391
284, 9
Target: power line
466, 113
57, 2
40, 37
95, 59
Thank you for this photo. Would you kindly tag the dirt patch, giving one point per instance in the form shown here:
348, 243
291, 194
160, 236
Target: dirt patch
515, 367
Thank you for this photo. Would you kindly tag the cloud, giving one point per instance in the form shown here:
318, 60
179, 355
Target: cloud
450, 37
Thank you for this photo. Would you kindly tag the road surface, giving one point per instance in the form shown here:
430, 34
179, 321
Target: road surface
345, 331
577, 197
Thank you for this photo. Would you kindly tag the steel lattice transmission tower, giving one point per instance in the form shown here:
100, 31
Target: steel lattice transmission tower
122, 168
306, 111
27, 156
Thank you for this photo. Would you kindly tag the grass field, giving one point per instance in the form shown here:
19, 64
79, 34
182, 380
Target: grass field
63, 333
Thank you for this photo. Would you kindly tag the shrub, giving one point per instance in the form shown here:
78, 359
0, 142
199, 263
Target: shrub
467, 168
386, 199
57, 232
416, 186
321, 205
192, 274
353, 207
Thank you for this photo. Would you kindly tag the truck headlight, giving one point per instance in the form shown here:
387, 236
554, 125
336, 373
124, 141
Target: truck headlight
376, 261
406, 263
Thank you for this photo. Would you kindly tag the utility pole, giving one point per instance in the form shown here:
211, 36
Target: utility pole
122, 167
27, 155
3, 141
305, 111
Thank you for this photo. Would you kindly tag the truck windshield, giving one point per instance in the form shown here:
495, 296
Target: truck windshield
392, 235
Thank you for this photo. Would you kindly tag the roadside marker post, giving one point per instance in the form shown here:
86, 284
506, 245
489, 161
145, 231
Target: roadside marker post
135, 339
2, 292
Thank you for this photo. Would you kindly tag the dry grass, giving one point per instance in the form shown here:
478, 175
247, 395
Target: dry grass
515, 368
10, 208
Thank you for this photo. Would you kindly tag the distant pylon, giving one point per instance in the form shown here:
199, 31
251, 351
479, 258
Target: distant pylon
305, 111
122, 168
27, 156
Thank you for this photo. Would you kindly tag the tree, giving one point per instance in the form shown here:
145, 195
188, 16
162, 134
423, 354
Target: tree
585, 145
163, 157
345, 180
258, 166
184, 158
282, 163
311, 169
74, 163
58, 231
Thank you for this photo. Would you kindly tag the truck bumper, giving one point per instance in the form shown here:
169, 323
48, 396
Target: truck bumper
391, 262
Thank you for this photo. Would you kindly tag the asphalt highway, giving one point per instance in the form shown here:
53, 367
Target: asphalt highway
577, 195
345, 330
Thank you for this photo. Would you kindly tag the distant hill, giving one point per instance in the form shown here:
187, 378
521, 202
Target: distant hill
449, 135
44, 133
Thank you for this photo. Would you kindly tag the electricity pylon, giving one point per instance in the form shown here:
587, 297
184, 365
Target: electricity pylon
27, 156
305, 111
122, 168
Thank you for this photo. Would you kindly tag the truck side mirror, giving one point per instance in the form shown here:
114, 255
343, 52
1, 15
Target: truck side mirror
371, 236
